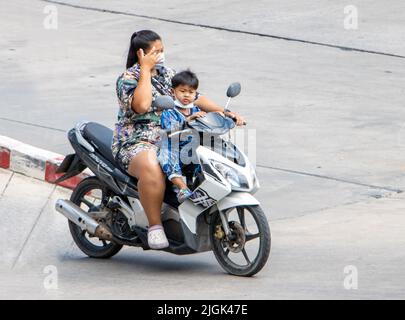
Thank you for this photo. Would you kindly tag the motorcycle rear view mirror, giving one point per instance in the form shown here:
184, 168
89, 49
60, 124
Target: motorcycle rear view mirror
164, 102
233, 90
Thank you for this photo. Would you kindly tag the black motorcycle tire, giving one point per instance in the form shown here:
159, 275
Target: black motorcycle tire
264, 250
91, 250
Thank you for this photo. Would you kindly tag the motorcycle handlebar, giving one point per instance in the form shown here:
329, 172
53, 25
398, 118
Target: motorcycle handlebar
244, 123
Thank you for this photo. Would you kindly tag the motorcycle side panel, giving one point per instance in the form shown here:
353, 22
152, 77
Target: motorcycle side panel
205, 196
199, 241
141, 219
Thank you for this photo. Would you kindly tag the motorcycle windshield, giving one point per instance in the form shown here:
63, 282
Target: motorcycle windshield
212, 123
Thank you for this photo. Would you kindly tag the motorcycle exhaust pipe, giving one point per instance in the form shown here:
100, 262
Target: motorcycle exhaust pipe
80, 217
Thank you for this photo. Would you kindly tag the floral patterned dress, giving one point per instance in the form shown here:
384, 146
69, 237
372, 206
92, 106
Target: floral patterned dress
136, 132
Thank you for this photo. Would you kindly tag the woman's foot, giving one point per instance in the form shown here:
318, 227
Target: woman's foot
157, 238
184, 194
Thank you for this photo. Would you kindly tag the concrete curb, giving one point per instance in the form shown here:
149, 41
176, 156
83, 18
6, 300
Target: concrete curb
34, 162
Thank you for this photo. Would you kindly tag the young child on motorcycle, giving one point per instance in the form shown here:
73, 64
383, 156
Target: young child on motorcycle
185, 85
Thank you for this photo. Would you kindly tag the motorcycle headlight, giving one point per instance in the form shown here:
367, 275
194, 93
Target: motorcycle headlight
231, 175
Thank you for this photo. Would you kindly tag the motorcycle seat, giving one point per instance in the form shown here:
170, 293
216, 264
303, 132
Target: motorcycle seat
101, 138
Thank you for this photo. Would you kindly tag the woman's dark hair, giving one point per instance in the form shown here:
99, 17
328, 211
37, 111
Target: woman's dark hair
140, 40
187, 78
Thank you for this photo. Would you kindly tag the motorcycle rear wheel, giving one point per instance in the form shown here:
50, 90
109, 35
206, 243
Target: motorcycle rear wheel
87, 190
241, 230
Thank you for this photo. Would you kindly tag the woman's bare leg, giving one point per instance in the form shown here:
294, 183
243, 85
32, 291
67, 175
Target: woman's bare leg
151, 184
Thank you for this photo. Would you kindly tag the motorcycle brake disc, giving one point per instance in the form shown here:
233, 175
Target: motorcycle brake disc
237, 243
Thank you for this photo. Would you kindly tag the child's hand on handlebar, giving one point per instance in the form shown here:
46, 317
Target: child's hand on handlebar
240, 121
196, 115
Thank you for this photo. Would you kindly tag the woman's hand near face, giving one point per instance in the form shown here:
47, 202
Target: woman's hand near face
142, 98
149, 60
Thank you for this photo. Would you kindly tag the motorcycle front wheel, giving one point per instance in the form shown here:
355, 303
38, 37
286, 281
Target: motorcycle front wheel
247, 248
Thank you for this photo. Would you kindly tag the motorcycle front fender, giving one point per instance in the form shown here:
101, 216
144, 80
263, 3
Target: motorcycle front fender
235, 199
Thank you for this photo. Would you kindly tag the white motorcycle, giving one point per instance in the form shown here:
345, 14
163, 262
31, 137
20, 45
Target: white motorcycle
222, 215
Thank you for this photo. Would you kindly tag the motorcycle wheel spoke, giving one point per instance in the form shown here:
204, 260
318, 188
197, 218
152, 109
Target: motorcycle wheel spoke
250, 236
87, 203
227, 252
246, 256
104, 243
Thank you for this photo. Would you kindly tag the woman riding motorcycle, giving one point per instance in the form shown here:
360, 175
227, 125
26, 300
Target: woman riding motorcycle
137, 132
